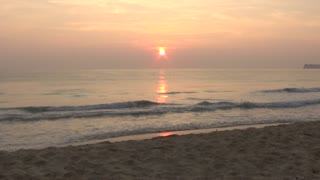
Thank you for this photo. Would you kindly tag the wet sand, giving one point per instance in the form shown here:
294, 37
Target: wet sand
276, 152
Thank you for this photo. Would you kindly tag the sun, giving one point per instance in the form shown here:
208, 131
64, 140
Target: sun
162, 51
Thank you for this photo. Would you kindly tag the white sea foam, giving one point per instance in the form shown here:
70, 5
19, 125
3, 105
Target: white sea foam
138, 108
293, 90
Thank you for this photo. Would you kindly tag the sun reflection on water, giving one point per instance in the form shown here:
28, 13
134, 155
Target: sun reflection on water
162, 88
166, 134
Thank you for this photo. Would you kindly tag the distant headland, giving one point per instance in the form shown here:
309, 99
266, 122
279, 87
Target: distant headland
311, 66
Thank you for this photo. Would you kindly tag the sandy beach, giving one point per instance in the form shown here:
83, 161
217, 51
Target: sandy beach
277, 152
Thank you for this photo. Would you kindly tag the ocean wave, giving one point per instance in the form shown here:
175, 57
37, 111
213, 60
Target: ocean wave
251, 105
293, 90
205, 99
142, 108
78, 114
118, 105
179, 92
213, 91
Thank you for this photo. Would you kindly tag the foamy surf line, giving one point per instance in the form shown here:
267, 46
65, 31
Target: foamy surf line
136, 108
145, 136
292, 90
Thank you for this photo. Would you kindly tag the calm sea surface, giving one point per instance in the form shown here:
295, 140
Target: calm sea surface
52, 109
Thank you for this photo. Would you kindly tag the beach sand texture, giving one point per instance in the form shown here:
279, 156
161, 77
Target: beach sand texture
278, 152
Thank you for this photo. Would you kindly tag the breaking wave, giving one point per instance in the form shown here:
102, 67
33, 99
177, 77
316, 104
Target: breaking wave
118, 105
293, 90
250, 105
136, 108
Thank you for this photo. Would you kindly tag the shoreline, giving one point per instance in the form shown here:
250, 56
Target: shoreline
290, 151
139, 137
145, 136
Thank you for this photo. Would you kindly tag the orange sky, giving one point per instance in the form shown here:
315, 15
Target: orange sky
109, 33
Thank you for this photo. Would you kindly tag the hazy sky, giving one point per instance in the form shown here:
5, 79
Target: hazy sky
42, 34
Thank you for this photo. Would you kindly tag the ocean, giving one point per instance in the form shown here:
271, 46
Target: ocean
43, 109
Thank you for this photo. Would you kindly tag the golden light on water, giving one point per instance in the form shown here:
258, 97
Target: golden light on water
166, 134
162, 89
